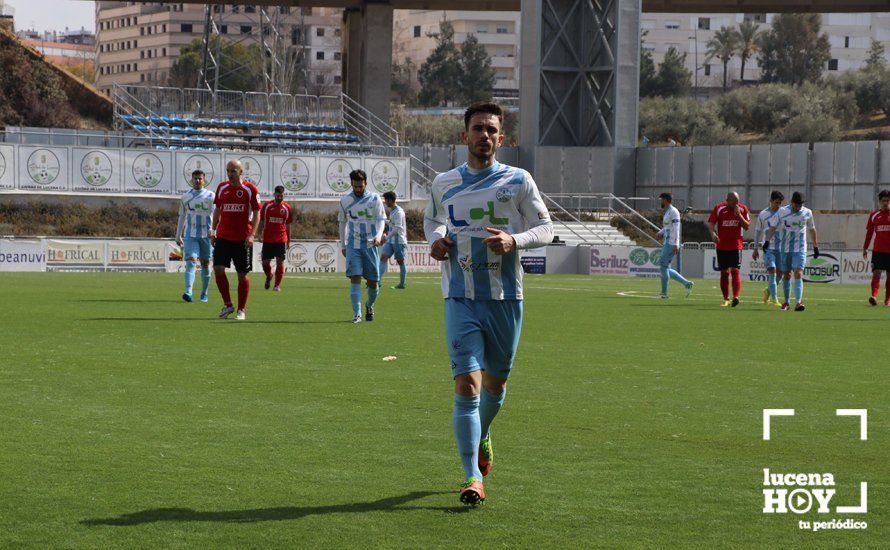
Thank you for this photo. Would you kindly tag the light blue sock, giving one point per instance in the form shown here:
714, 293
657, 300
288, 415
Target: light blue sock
664, 280
467, 432
489, 405
382, 270
205, 279
798, 289
675, 275
771, 285
403, 274
355, 296
189, 277
372, 295
786, 288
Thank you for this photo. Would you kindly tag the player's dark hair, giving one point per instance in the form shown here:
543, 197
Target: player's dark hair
797, 198
884, 194
776, 196
197, 173
666, 196
279, 189
484, 107
358, 175
389, 196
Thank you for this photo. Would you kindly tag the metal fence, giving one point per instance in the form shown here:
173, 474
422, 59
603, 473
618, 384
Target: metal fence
839, 176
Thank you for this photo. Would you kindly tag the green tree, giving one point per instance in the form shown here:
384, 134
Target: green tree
240, 65
723, 46
794, 50
404, 89
648, 78
674, 79
476, 77
439, 75
748, 35
875, 58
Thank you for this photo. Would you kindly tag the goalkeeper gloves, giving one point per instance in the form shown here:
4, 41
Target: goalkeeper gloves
815, 252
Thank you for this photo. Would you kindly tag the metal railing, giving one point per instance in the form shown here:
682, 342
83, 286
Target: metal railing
602, 207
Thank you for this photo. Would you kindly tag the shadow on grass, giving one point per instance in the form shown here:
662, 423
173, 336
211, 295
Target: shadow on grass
392, 504
213, 320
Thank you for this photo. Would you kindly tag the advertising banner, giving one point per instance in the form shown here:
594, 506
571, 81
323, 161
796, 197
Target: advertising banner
96, 170
43, 168
825, 269
148, 172
333, 176
255, 169
305, 257
187, 162
136, 255
534, 260
387, 174
7, 167
298, 175
609, 260
22, 255
855, 269
75, 255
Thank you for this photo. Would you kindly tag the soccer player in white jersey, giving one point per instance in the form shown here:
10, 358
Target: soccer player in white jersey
794, 221
362, 218
670, 232
193, 234
395, 240
771, 258
479, 216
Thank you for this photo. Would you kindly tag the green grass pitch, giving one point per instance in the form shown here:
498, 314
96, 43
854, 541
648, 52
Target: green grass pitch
132, 419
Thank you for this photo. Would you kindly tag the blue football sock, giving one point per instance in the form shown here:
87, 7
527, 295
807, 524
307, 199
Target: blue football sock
489, 405
798, 289
403, 274
786, 289
205, 279
372, 295
675, 275
355, 296
664, 280
382, 270
467, 432
189, 276
771, 285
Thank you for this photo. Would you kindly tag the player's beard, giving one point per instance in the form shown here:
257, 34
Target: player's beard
481, 153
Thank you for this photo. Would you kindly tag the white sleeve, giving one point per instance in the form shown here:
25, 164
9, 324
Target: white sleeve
434, 227
675, 227
760, 232
341, 219
533, 210
811, 221
381, 218
180, 223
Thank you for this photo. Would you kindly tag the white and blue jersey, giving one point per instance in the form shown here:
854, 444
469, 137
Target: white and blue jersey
195, 214
361, 220
463, 203
670, 229
397, 231
793, 226
764, 220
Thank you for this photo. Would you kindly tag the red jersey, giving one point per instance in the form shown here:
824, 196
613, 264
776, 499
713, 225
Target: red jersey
277, 218
729, 227
879, 228
235, 205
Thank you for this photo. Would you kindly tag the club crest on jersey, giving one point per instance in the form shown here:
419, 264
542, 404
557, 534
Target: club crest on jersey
477, 214
239, 193
504, 194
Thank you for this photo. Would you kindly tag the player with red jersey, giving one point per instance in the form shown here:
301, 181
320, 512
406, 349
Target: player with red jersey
879, 227
237, 206
728, 221
275, 219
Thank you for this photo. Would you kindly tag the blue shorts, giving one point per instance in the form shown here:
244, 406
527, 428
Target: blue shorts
482, 335
364, 262
199, 248
770, 261
793, 260
667, 256
391, 250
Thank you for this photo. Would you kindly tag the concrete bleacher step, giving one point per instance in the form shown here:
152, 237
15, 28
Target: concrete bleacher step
601, 233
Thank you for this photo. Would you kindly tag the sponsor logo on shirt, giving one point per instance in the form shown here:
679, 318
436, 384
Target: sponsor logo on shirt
234, 207
730, 223
467, 264
476, 214
882, 228
275, 219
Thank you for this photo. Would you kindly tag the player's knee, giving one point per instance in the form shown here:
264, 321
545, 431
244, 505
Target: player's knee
384, 258
466, 385
400, 262
494, 386
372, 284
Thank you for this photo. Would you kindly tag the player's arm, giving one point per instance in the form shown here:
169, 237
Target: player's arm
214, 223
287, 227
341, 221
744, 220
255, 212
180, 223
380, 223
811, 229
869, 233
675, 230
434, 228
533, 210
712, 225
261, 225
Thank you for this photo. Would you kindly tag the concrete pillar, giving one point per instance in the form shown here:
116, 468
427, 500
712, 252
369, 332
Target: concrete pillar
367, 56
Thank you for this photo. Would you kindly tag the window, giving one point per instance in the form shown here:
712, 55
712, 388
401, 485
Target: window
319, 79
128, 44
319, 56
128, 67
319, 31
163, 52
141, 78
337, 33
185, 27
337, 79
135, 43
224, 29
707, 70
416, 31
756, 17
284, 10
246, 29
846, 41
142, 54
149, 31
502, 30
149, 54
672, 25
219, 8
704, 23
164, 27
249, 9
236, 9
295, 36
336, 56
135, 66
482, 29
832, 64
142, 31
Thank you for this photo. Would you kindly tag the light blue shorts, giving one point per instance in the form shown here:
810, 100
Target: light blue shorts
667, 256
396, 251
482, 335
770, 261
793, 260
364, 262
199, 248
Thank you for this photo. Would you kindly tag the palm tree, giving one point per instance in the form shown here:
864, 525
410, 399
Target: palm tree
748, 37
723, 45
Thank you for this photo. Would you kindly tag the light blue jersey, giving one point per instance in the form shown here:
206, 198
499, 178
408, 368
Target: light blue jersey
397, 230
463, 203
670, 230
793, 226
195, 214
764, 219
361, 220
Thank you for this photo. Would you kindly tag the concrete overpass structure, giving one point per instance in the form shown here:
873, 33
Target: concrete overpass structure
580, 73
